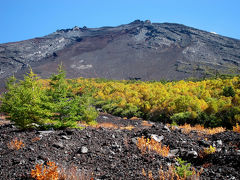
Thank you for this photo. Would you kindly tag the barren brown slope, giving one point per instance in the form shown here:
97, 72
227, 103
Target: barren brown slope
150, 51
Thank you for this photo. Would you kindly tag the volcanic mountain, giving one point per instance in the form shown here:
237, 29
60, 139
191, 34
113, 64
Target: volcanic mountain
139, 50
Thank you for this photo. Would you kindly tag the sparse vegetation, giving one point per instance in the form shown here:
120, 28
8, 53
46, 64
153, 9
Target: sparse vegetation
15, 144
42, 172
237, 128
187, 128
52, 172
148, 145
210, 150
182, 171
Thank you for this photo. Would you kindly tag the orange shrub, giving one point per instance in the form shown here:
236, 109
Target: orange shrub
15, 144
237, 128
152, 145
48, 172
187, 128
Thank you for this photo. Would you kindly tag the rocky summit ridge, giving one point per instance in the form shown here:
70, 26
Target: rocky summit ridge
139, 50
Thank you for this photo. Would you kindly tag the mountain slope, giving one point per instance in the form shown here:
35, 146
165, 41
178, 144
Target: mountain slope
150, 51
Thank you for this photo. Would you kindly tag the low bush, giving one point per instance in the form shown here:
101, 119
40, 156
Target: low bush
148, 145
15, 144
210, 150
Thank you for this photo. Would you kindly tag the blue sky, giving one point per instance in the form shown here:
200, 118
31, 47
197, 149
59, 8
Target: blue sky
25, 19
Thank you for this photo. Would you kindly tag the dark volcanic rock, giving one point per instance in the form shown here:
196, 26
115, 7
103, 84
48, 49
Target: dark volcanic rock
113, 154
139, 50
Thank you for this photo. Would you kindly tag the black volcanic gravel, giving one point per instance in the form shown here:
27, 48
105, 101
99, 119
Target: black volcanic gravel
113, 154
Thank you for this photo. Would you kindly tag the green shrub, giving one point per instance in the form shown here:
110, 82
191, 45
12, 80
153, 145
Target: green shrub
183, 169
181, 118
228, 91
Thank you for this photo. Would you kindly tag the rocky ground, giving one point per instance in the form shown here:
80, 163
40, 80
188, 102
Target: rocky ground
109, 151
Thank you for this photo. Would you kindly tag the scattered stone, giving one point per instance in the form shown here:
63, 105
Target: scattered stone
184, 142
218, 149
39, 161
115, 153
203, 143
166, 128
219, 143
46, 133
193, 154
99, 110
105, 117
84, 150
157, 138
65, 137
174, 151
58, 145
176, 128
22, 162
31, 159
34, 125
134, 140
31, 148
69, 131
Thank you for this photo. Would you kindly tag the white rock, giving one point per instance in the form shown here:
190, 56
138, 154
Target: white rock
84, 150
65, 137
219, 142
157, 138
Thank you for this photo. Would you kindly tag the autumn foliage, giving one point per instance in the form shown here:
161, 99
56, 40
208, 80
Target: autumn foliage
187, 128
148, 145
236, 128
52, 172
42, 172
211, 102
15, 144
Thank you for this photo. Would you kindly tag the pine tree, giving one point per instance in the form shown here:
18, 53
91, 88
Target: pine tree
24, 101
67, 107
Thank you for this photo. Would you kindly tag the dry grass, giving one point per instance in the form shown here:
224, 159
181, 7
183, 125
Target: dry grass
187, 128
237, 128
53, 172
35, 139
106, 125
74, 173
49, 172
134, 118
127, 127
145, 123
15, 144
170, 174
3, 119
151, 145
210, 150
